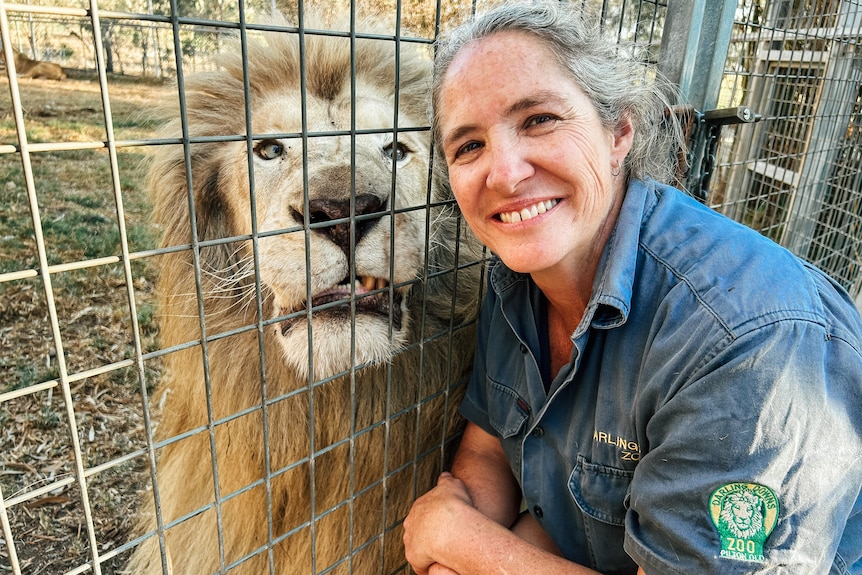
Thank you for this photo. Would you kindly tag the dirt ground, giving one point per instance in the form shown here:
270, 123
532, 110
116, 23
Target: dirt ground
78, 216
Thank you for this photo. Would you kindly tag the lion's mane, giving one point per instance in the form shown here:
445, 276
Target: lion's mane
322, 447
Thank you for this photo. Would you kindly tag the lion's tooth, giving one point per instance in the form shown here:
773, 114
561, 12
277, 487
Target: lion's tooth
381, 283
368, 282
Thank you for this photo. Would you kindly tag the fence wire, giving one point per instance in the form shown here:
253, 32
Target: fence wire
81, 355
81, 349
795, 176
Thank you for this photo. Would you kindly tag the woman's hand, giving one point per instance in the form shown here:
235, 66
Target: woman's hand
431, 528
467, 509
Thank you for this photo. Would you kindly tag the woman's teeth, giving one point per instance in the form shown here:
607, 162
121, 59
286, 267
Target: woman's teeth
528, 212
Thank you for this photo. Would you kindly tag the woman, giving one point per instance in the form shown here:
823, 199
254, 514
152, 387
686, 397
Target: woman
664, 390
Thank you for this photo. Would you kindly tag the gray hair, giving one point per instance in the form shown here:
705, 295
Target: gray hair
619, 85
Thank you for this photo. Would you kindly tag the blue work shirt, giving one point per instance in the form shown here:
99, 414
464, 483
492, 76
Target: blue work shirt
709, 419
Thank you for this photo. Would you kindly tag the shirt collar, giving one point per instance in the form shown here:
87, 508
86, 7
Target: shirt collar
610, 302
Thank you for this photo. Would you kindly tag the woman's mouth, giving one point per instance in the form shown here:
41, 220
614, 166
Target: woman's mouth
528, 212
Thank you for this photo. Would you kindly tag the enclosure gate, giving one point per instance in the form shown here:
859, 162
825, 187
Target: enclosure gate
80, 352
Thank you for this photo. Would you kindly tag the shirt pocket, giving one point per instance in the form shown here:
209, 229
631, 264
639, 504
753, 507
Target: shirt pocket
507, 414
507, 411
600, 493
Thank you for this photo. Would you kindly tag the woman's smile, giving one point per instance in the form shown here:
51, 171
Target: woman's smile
528, 212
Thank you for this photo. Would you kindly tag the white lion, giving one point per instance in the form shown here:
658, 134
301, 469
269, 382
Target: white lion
319, 467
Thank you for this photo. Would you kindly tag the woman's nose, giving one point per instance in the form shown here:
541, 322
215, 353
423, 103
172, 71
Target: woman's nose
508, 167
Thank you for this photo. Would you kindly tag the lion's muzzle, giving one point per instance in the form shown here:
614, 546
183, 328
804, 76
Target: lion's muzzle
339, 220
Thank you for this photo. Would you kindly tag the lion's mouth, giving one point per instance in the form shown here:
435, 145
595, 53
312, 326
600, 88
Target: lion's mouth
372, 297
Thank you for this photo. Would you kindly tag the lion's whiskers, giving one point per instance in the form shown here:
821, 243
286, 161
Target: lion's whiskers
228, 284
231, 283
439, 222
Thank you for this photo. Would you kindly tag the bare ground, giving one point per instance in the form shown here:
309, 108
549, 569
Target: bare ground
79, 220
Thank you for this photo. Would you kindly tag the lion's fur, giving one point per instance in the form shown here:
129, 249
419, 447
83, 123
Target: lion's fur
369, 426
30, 68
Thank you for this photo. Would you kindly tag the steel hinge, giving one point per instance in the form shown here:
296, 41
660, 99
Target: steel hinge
705, 142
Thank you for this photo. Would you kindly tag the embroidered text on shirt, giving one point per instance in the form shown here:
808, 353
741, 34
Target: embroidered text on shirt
628, 449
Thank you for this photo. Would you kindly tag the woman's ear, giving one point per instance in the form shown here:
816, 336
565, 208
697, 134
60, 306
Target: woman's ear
623, 137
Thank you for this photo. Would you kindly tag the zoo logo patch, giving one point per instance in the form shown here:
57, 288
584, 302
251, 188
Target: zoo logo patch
744, 515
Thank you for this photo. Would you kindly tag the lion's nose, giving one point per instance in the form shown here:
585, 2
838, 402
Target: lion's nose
366, 209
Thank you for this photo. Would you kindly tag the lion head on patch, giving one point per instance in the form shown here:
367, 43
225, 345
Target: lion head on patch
743, 515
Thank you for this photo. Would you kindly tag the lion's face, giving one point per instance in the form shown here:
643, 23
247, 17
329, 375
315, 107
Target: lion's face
294, 264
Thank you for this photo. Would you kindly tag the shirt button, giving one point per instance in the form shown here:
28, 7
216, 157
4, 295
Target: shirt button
537, 511
523, 348
538, 432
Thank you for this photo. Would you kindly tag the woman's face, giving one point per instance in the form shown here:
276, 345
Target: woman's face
529, 160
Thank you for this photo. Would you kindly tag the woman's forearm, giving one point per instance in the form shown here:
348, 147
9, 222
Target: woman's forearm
481, 464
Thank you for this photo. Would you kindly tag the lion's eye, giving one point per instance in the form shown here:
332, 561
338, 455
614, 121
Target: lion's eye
396, 152
269, 149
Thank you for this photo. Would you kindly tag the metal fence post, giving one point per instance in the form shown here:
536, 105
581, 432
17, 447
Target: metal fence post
694, 47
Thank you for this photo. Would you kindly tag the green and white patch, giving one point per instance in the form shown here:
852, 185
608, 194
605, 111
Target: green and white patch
744, 515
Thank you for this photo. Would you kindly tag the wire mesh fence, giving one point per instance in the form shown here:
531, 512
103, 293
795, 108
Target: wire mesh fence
794, 176
325, 452
264, 348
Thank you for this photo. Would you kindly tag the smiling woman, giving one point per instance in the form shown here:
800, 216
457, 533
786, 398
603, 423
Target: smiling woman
620, 307
532, 140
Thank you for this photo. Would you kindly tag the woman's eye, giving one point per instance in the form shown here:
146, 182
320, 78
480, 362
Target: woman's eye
467, 148
395, 152
269, 149
540, 119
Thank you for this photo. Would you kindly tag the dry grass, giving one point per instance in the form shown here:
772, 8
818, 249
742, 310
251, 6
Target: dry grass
79, 222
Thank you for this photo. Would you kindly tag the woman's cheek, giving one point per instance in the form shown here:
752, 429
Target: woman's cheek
465, 194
